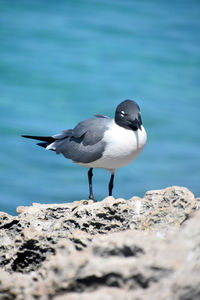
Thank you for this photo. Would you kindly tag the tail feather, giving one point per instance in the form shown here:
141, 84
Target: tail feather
48, 139
45, 145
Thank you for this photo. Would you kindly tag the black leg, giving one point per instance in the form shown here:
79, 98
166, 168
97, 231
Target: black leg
110, 187
90, 174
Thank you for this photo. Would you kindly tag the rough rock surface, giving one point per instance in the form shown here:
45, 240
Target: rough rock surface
115, 249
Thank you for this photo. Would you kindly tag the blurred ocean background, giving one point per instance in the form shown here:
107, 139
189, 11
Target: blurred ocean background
64, 61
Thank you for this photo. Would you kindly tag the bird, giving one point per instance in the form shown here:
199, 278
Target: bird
101, 141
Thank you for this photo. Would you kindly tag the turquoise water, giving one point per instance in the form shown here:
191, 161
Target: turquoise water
63, 61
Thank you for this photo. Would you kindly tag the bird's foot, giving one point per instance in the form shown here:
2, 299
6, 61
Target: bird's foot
91, 197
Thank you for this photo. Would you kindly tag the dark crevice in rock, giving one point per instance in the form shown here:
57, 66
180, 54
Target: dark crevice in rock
110, 217
92, 282
29, 257
140, 280
9, 225
110, 280
79, 245
159, 269
110, 210
27, 261
70, 224
4, 261
85, 225
97, 225
125, 251
187, 216
56, 213
111, 226
6, 296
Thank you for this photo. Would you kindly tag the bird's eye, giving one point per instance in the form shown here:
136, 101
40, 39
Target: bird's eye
122, 113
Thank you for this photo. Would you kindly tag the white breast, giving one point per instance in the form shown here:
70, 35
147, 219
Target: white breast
122, 146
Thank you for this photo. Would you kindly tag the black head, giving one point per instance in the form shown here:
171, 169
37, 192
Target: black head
127, 115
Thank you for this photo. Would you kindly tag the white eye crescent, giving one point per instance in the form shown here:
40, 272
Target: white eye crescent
122, 113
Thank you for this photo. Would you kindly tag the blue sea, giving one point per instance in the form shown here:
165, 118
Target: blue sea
64, 61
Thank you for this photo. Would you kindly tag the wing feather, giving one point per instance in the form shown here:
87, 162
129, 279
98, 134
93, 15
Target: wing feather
84, 144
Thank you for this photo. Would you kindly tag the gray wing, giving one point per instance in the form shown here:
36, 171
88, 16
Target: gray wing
84, 143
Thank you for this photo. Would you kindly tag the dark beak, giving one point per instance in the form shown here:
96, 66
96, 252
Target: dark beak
136, 124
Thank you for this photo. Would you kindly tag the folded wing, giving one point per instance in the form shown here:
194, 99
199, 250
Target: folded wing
83, 144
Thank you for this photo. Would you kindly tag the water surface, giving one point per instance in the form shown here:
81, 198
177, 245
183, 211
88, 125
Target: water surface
64, 61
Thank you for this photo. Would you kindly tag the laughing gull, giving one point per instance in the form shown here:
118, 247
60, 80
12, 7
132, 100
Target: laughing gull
101, 142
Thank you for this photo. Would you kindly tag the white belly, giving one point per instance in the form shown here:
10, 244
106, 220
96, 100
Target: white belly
122, 146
